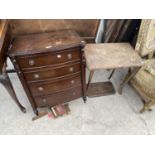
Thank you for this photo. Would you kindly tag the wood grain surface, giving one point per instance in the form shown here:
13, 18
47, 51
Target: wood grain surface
111, 55
84, 27
33, 43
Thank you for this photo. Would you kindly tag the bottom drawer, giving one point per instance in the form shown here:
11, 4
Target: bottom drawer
59, 98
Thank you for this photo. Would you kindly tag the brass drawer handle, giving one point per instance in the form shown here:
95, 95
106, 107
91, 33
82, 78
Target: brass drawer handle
59, 56
71, 69
44, 100
36, 76
69, 56
40, 89
31, 62
72, 81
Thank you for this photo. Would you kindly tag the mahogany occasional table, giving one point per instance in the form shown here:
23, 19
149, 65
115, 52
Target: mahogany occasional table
110, 56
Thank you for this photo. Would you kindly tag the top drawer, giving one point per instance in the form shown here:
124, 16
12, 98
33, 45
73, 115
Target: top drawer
45, 59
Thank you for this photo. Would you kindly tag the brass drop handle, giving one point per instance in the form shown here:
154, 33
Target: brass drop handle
69, 56
71, 69
36, 76
72, 81
31, 62
59, 56
40, 89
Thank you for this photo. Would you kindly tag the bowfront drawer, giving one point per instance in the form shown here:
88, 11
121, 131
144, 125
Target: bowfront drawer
44, 88
59, 98
45, 59
51, 73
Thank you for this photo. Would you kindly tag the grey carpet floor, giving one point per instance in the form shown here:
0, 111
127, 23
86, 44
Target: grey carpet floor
114, 114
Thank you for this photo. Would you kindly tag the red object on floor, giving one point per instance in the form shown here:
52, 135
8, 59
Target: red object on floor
60, 109
50, 115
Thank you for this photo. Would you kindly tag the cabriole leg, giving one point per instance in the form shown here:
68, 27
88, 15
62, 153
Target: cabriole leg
5, 81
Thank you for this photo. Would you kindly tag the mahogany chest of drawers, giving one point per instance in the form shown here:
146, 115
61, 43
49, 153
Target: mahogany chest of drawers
50, 67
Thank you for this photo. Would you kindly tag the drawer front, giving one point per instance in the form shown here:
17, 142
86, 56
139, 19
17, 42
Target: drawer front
44, 88
59, 98
50, 73
43, 60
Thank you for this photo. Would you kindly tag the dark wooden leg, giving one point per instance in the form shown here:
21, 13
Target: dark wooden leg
83, 75
127, 78
4, 79
35, 111
110, 76
90, 78
129, 71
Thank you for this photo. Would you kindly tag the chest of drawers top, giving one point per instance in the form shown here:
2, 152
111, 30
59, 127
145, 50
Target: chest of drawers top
45, 42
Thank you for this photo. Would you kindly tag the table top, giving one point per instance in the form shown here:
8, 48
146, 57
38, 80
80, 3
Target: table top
42, 42
111, 56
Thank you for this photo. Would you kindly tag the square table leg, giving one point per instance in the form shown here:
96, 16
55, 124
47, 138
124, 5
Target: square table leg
90, 78
127, 78
111, 74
